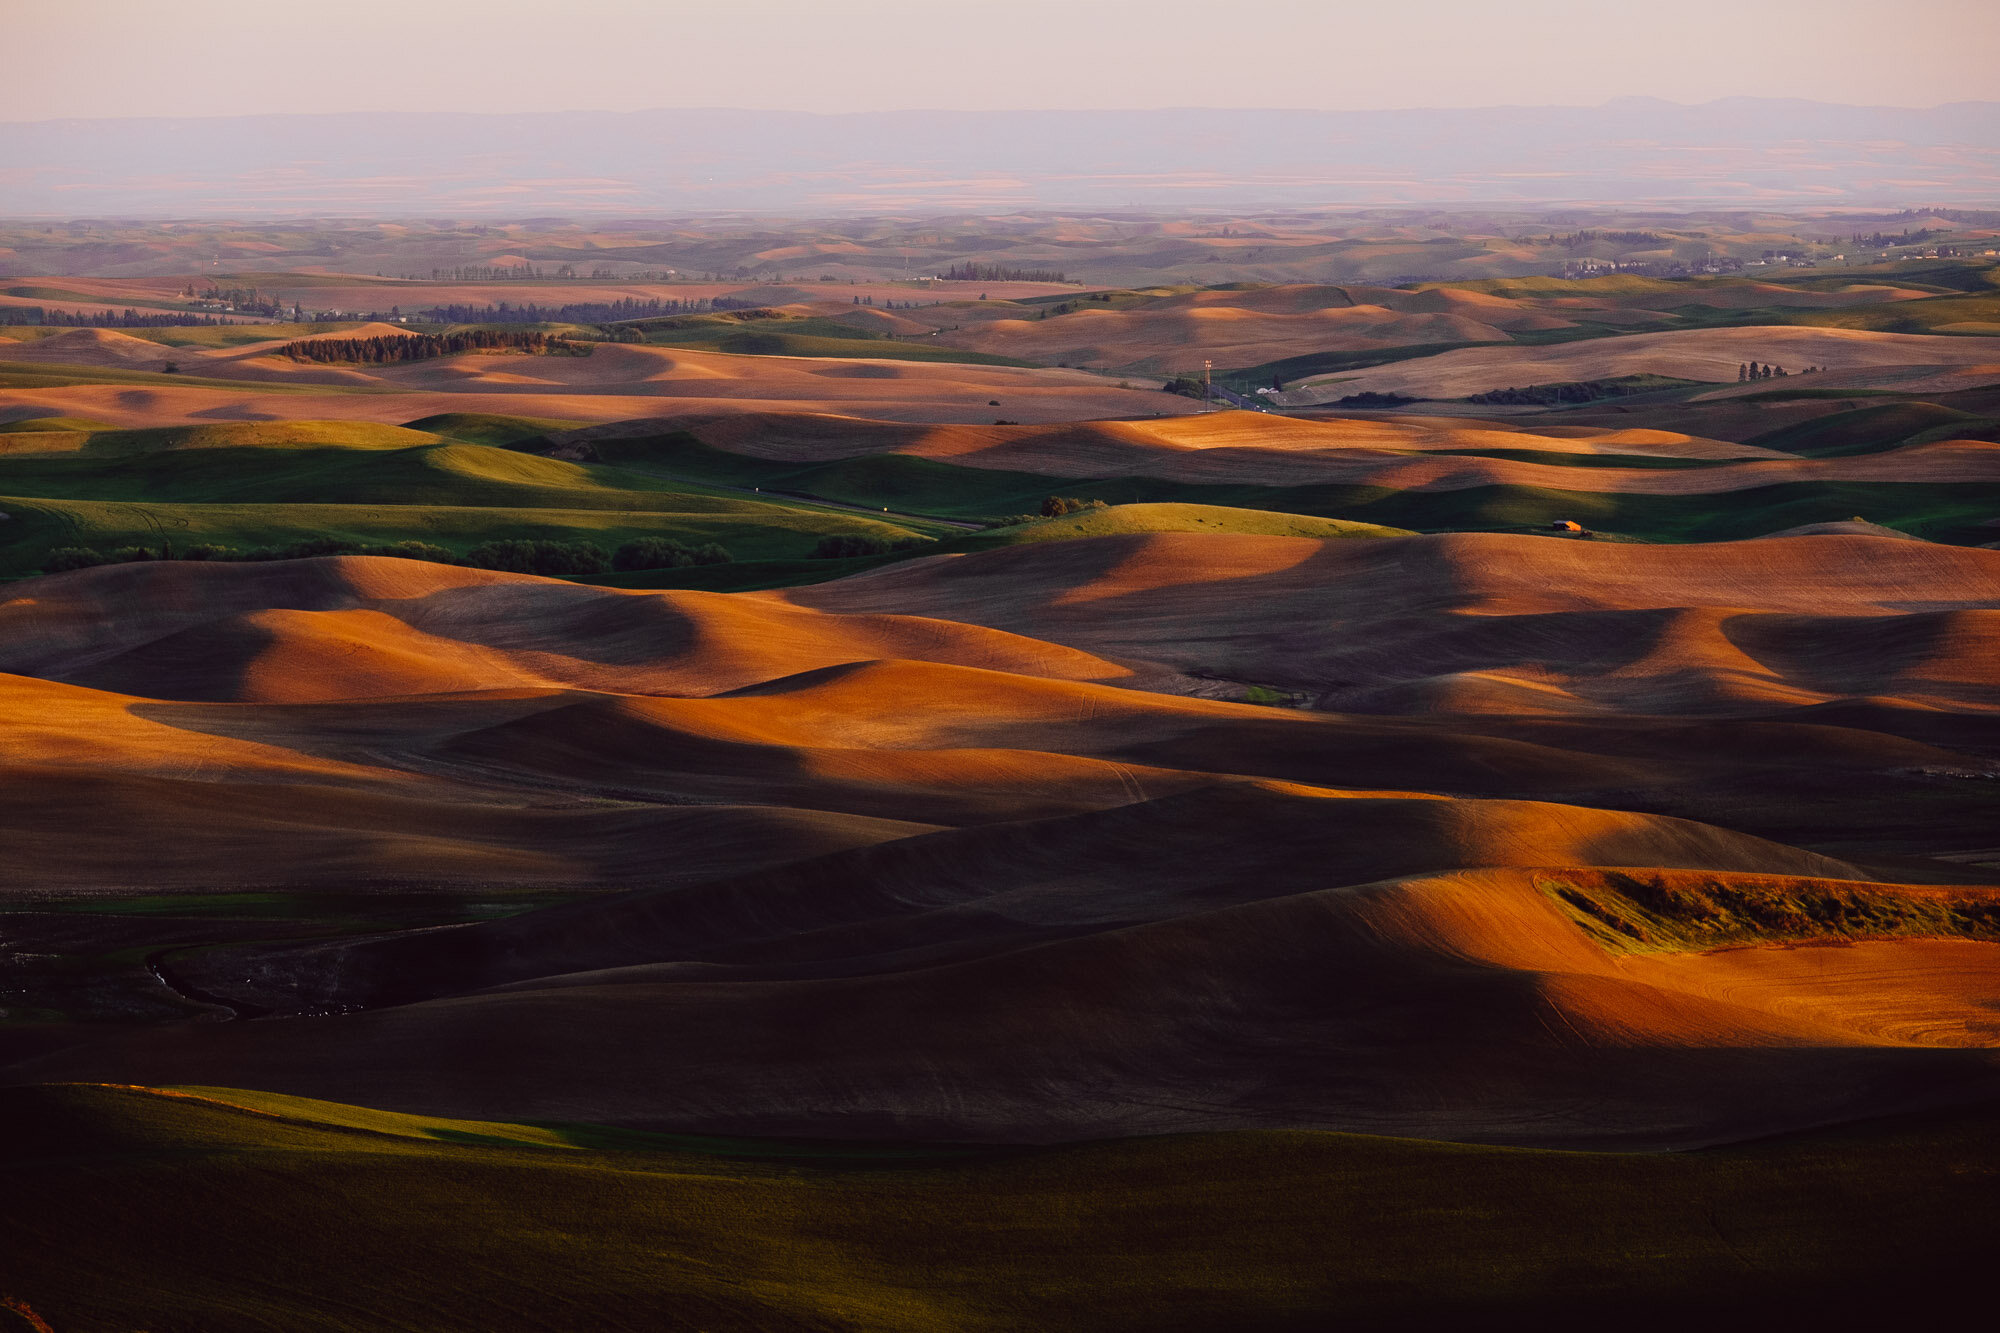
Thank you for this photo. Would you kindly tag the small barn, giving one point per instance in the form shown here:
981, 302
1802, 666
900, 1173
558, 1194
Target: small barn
1565, 525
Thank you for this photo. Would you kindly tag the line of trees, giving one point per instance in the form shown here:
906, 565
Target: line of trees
580, 312
1546, 395
388, 349
514, 555
994, 273
1881, 239
105, 319
516, 272
488, 273
1576, 239
848, 546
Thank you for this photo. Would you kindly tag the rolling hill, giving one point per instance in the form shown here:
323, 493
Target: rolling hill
1713, 355
245, 486
1414, 473
1018, 823
1090, 860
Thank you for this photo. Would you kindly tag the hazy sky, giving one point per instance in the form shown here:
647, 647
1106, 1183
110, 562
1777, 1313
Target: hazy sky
101, 58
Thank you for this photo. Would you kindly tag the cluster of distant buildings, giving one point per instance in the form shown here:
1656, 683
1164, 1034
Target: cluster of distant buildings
1592, 268
1673, 268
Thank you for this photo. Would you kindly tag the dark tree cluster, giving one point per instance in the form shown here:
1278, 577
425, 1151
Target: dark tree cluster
666, 553
487, 273
64, 558
995, 273
513, 555
1575, 391
1374, 399
1753, 371
581, 312
1582, 238
523, 556
1879, 240
847, 545
105, 319
424, 346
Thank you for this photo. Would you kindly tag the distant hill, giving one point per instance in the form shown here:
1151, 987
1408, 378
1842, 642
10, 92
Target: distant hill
1630, 148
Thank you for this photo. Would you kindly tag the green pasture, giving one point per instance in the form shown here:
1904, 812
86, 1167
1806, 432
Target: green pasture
246, 485
1946, 512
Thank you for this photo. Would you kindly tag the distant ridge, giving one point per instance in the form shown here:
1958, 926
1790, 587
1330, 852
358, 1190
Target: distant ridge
1738, 151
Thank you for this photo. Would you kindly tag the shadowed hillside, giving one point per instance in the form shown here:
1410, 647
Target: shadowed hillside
1204, 1231
903, 875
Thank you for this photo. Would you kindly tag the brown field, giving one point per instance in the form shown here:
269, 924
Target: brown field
1167, 331
1407, 454
1175, 333
1860, 358
318, 290
961, 850
615, 383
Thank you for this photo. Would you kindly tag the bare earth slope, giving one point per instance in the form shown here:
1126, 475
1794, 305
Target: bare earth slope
614, 383
1704, 354
1250, 449
967, 848
1428, 622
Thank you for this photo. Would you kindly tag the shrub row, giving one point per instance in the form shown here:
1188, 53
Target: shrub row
666, 553
848, 546
83, 557
424, 346
514, 555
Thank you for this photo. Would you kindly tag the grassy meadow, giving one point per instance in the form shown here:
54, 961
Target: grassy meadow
268, 484
151, 1206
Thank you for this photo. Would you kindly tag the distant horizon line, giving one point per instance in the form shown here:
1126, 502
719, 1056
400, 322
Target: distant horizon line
1234, 208
1642, 99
